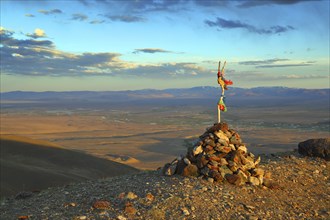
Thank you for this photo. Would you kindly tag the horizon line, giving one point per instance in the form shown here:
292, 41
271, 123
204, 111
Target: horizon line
284, 87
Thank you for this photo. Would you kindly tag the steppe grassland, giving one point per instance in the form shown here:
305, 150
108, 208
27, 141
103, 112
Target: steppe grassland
146, 138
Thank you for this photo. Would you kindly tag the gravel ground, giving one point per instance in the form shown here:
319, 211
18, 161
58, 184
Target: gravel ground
302, 192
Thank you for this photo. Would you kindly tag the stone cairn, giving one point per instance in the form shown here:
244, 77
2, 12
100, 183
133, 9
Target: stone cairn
218, 155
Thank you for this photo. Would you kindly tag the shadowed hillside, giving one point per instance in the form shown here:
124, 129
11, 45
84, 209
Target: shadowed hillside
28, 165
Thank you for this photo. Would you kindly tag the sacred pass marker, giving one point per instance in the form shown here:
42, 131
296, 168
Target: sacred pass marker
223, 83
219, 155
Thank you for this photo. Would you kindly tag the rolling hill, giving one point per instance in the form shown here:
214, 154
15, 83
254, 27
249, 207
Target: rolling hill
28, 165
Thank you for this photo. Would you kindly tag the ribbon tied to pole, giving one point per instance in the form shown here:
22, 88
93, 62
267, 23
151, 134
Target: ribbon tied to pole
223, 84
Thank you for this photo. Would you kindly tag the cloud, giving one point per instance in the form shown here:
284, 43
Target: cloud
266, 77
54, 11
169, 70
143, 6
262, 62
283, 65
7, 40
5, 32
40, 57
281, 29
133, 11
79, 17
235, 24
211, 3
151, 50
84, 2
97, 21
36, 57
295, 76
38, 33
273, 63
249, 4
39, 61
125, 18
29, 15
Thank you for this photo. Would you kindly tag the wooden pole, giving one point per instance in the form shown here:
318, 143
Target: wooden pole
219, 114
219, 111
223, 83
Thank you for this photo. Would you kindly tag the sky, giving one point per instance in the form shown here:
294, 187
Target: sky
107, 45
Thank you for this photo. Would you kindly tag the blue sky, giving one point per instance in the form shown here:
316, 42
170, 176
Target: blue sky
125, 45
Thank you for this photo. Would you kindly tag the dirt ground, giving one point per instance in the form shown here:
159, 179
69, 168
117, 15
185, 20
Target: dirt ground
302, 192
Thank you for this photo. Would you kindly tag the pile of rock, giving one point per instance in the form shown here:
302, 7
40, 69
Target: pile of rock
219, 155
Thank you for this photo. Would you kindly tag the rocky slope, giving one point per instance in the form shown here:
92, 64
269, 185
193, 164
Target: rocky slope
29, 164
303, 192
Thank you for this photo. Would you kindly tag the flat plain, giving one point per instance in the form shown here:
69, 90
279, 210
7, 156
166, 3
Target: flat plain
147, 135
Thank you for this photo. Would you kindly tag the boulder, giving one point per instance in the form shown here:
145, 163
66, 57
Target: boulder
315, 148
190, 170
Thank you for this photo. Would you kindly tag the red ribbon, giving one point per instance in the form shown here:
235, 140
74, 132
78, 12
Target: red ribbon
228, 82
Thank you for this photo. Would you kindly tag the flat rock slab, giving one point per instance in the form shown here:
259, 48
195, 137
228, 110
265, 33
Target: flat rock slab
315, 148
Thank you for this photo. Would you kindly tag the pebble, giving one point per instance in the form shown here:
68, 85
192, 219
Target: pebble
254, 181
186, 161
249, 207
197, 150
120, 217
131, 196
150, 197
101, 204
129, 209
252, 217
185, 211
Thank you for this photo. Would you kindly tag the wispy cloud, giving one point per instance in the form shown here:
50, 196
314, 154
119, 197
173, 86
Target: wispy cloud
38, 33
173, 70
211, 3
50, 12
284, 65
97, 21
262, 62
296, 76
151, 50
249, 4
236, 24
29, 15
263, 76
274, 63
79, 17
125, 18
84, 2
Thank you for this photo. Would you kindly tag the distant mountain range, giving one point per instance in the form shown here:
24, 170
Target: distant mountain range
235, 96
